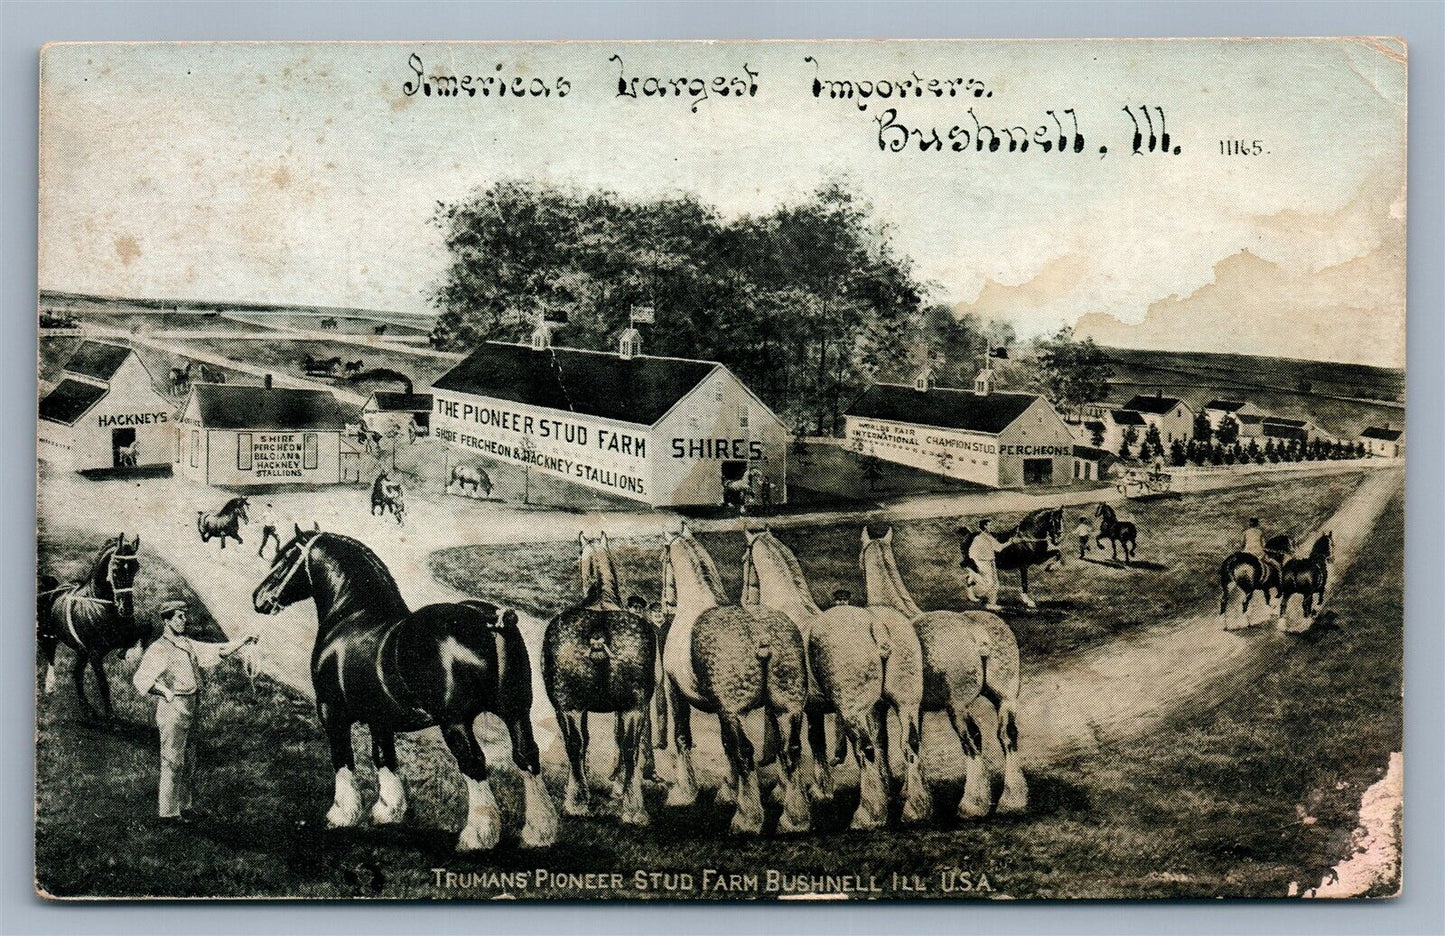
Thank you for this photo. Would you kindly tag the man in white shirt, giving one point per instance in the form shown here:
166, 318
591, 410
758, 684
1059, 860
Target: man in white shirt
171, 668
268, 531
983, 552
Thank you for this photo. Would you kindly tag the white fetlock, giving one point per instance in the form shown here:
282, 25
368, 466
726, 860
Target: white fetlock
634, 810
726, 794
390, 803
1015, 796
1027, 600
50, 679
683, 791
577, 802
822, 787
748, 820
917, 803
872, 810
484, 827
796, 816
976, 793
540, 829
345, 808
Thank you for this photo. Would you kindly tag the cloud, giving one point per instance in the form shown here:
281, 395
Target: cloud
1029, 305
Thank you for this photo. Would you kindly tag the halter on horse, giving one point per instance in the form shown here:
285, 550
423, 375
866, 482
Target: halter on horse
859, 667
596, 657
967, 655
1308, 577
92, 617
377, 662
1116, 532
225, 522
730, 660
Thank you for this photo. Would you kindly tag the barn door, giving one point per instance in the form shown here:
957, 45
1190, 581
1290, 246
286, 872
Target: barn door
120, 439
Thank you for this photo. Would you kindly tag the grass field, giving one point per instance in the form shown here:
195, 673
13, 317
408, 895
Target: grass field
1181, 545
1251, 787
286, 356
346, 325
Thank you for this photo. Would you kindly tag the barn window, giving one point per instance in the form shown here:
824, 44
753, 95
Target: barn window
743, 416
717, 393
309, 453
195, 447
694, 423
243, 451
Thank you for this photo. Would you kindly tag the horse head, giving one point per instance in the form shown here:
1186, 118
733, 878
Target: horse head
1104, 510
120, 573
286, 584
1324, 547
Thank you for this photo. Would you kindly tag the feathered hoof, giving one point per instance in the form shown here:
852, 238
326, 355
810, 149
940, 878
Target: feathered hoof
387, 813
636, 817
787, 825
474, 839
614, 790
540, 827
972, 807
1015, 797
864, 819
747, 822
577, 803
338, 817
539, 835
676, 796
726, 795
777, 795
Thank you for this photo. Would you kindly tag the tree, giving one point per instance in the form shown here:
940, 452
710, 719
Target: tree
1153, 444
1271, 451
872, 469
1203, 430
1096, 435
1124, 452
1177, 456
1072, 372
526, 451
1228, 431
1253, 452
1131, 435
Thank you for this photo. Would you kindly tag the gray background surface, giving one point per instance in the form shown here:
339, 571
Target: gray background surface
24, 27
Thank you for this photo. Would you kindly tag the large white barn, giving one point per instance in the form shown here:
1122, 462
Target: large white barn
1001, 440
105, 413
661, 430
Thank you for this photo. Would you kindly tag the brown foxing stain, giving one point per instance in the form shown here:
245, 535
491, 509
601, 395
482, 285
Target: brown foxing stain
127, 248
281, 177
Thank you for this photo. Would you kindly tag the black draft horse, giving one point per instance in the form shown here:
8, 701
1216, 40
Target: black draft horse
1116, 532
225, 522
598, 657
393, 669
1308, 577
1035, 541
1249, 574
92, 617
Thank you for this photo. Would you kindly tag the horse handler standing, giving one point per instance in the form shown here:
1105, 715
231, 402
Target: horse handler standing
984, 552
172, 669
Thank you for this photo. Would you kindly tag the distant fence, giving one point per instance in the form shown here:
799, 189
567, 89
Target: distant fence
1324, 464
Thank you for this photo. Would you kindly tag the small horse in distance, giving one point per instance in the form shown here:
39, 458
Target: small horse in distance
1307, 577
966, 655
328, 324
386, 495
92, 617
1117, 532
1035, 541
377, 662
225, 522
597, 657
464, 476
726, 659
127, 456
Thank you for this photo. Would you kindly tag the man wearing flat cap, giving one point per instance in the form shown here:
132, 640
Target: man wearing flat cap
171, 668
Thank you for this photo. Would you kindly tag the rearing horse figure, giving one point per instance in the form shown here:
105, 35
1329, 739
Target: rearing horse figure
860, 664
377, 662
92, 617
1116, 532
966, 654
1308, 577
1035, 542
225, 522
722, 658
596, 657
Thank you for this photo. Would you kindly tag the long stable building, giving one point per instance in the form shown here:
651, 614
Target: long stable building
1000, 440
664, 431
105, 412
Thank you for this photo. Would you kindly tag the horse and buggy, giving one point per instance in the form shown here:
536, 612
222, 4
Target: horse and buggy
1135, 483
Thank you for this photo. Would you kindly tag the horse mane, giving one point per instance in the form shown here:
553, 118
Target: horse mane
1322, 546
233, 504
795, 569
100, 565
705, 569
374, 565
605, 585
894, 578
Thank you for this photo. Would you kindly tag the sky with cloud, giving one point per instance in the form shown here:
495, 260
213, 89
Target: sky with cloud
305, 174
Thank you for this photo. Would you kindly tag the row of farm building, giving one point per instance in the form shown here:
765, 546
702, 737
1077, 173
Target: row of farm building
663, 431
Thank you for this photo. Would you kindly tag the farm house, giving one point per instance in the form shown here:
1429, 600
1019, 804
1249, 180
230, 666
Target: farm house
232, 435
999, 440
664, 431
1384, 441
386, 410
105, 413
1172, 416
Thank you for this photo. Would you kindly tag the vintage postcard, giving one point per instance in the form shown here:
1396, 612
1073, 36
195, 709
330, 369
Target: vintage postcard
745, 471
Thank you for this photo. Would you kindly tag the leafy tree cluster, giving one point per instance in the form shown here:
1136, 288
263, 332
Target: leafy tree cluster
807, 304
1196, 452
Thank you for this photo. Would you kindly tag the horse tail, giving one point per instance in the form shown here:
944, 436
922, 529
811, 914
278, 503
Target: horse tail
1226, 575
772, 739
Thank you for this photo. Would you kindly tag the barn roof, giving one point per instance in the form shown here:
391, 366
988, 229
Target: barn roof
1250, 418
1156, 405
1228, 406
638, 390
97, 359
1285, 421
70, 400
1127, 418
1382, 433
391, 402
231, 406
941, 406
